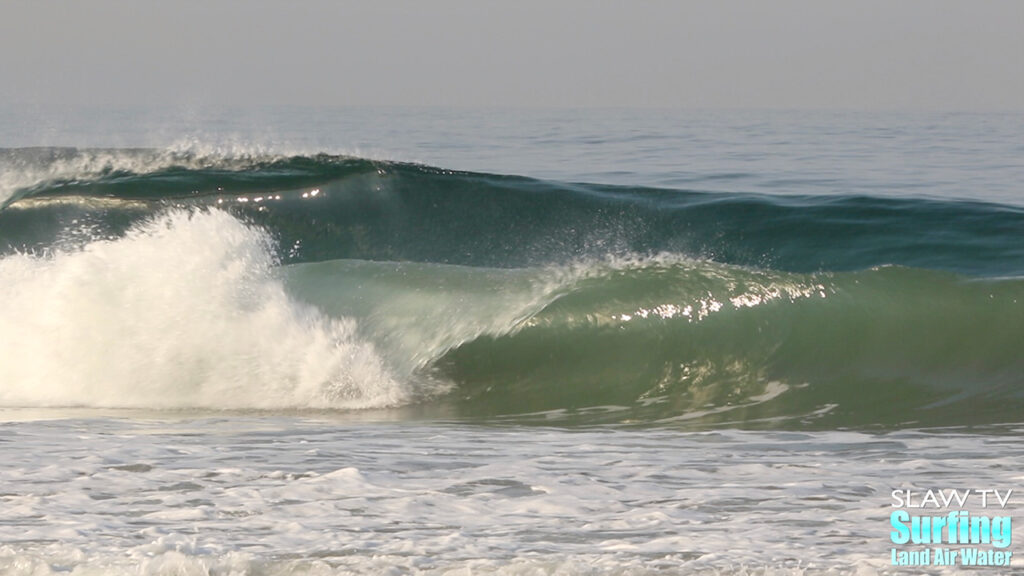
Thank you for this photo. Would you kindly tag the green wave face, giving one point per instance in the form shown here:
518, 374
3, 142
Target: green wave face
694, 343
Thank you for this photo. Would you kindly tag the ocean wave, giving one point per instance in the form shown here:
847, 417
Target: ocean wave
322, 207
261, 281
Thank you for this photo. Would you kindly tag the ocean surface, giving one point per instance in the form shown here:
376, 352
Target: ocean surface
430, 341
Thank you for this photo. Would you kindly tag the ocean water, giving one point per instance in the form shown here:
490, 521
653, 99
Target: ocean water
428, 341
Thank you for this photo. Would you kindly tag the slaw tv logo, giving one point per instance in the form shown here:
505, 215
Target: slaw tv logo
951, 527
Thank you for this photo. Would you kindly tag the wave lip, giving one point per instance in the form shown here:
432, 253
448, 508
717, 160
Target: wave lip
158, 174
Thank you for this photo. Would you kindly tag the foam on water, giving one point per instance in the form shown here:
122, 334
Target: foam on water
272, 496
182, 311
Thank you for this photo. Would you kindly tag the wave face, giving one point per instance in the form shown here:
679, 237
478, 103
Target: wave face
164, 279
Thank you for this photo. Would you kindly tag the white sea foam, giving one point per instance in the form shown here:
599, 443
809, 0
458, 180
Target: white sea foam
277, 496
183, 311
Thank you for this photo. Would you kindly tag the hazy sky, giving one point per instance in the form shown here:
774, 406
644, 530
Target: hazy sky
928, 54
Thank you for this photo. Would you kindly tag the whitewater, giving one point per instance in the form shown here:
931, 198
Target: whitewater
668, 344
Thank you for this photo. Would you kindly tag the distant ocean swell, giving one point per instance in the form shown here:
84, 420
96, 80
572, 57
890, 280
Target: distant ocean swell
140, 278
